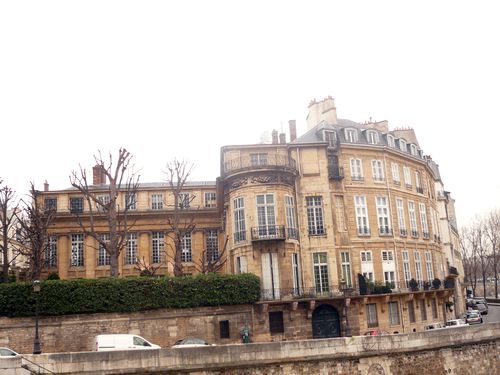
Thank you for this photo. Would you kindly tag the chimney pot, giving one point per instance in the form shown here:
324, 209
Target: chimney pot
45, 186
293, 130
275, 136
99, 177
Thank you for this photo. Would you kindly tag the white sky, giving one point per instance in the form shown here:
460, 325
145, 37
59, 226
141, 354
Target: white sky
181, 79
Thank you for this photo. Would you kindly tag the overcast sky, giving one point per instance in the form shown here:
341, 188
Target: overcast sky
181, 79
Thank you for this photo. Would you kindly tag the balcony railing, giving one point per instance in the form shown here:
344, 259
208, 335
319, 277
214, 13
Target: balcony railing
283, 162
385, 231
306, 292
363, 231
268, 232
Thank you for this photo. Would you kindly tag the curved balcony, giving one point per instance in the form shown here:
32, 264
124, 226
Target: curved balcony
248, 163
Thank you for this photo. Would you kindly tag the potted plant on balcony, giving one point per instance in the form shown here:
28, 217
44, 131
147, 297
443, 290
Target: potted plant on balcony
413, 285
427, 285
449, 305
436, 283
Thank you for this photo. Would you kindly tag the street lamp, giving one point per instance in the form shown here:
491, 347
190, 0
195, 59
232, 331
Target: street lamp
344, 289
37, 349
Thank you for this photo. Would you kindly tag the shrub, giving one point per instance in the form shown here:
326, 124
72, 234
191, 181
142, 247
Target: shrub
85, 296
53, 276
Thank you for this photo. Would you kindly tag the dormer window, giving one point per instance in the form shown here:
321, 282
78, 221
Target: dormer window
330, 137
414, 149
391, 141
402, 145
351, 135
372, 137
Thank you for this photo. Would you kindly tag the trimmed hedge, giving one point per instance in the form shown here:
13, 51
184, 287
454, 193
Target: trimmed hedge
86, 296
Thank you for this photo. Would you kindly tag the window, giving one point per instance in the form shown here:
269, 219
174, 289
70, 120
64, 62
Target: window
77, 250
276, 322
393, 313
102, 254
210, 199
395, 173
186, 255
241, 264
378, 170
407, 176
156, 201
291, 222
401, 217
428, 266
368, 276
266, 218
130, 201
239, 219
51, 252
389, 278
423, 310
371, 315
212, 245
224, 329
413, 218
320, 267
315, 216
413, 150
361, 215
50, 204
384, 227
340, 213
366, 256
184, 200
346, 268
296, 274
131, 250
76, 205
351, 135
391, 141
103, 201
372, 137
258, 159
330, 137
418, 183
411, 311
434, 309
406, 268
418, 266
387, 256
356, 170
402, 145
157, 246
423, 220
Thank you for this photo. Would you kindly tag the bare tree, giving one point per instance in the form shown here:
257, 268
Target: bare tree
34, 220
469, 257
492, 229
145, 268
7, 228
105, 206
212, 260
476, 241
181, 222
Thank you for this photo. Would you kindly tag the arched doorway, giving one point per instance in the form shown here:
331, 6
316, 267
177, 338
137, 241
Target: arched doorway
325, 322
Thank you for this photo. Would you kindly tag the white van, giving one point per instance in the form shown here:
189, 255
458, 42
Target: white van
122, 342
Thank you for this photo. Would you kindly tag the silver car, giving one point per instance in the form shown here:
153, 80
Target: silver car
6, 352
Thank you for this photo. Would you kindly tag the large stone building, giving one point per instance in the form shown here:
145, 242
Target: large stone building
348, 226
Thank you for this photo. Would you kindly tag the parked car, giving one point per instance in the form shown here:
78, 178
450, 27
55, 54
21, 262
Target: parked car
122, 342
437, 325
481, 307
191, 343
480, 300
375, 332
6, 352
456, 323
473, 317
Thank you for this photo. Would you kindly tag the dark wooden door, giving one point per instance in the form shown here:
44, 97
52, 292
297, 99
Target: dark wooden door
325, 322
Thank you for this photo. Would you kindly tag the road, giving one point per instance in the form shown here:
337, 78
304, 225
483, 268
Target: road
493, 314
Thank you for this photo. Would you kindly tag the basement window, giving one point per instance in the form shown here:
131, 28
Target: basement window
224, 329
276, 322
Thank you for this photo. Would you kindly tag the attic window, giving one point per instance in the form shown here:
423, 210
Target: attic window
351, 135
390, 141
330, 137
413, 150
402, 145
372, 137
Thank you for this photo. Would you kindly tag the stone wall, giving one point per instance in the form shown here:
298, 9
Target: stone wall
458, 351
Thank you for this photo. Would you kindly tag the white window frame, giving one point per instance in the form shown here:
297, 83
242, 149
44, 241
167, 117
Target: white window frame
77, 250
351, 135
413, 149
428, 266
391, 141
387, 256
210, 199
423, 220
400, 208
157, 201
186, 247
241, 264
418, 266
372, 137
371, 315
291, 218
356, 169
403, 146
366, 256
413, 218
320, 272
184, 201
239, 219
131, 249
407, 176
212, 244
157, 246
346, 267
378, 170
383, 217
393, 308
362, 221
266, 214
103, 258
406, 267
131, 201
395, 173
315, 221
330, 137
51, 252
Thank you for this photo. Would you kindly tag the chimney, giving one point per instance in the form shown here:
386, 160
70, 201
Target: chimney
282, 138
324, 110
45, 186
99, 176
293, 130
275, 136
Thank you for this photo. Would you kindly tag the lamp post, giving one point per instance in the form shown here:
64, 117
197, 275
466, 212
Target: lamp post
347, 331
37, 349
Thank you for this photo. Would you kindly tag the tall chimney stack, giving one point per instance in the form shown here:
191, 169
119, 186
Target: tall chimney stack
275, 136
282, 138
293, 130
45, 186
99, 177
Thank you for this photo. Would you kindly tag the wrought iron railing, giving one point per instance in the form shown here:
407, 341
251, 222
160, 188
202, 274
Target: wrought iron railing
270, 162
268, 232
